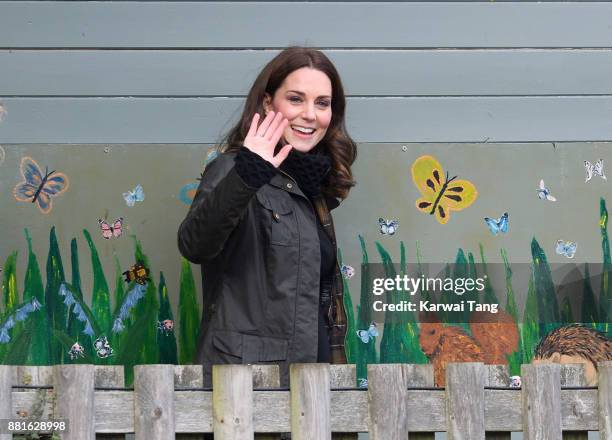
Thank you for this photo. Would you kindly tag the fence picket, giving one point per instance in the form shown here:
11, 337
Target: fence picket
310, 401
74, 400
6, 396
541, 395
387, 398
232, 402
605, 400
316, 403
154, 402
465, 384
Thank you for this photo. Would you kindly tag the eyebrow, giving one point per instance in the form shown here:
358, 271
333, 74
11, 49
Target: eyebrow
303, 94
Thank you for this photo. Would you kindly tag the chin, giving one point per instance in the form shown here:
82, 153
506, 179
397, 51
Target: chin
303, 148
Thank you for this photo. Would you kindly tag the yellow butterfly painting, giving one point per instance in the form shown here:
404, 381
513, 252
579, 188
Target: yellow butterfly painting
441, 195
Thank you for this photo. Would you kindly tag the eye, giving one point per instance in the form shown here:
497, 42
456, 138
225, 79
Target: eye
295, 99
324, 103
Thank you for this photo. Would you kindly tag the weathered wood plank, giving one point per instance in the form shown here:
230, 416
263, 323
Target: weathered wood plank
465, 401
204, 120
342, 376
193, 410
398, 24
430, 72
188, 376
310, 401
573, 375
497, 376
109, 376
232, 402
74, 391
605, 399
265, 376
6, 396
32, 375
154, 402
387, 395
541, 395
419, 375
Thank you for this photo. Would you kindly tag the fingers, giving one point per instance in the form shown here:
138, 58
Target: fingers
283, 153
276, 135
261, 131
253, 127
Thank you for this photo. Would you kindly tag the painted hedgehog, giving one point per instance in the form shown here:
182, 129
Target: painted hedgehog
575, 344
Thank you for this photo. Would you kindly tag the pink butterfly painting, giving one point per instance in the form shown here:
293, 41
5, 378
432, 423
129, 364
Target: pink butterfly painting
38, 187
111, 230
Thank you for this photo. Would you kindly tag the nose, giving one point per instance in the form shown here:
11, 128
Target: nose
309, 112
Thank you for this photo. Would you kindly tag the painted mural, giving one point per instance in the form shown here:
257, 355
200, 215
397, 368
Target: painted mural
91, 272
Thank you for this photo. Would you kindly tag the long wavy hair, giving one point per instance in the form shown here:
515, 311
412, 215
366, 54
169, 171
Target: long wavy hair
336, 143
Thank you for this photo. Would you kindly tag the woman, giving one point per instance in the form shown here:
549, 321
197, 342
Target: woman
260, 226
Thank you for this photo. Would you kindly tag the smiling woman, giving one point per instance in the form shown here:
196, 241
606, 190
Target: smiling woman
260, 224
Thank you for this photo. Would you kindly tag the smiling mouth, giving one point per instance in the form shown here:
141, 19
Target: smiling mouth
300, 133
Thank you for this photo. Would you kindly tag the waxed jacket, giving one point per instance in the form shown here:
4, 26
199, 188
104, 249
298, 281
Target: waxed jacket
260, 258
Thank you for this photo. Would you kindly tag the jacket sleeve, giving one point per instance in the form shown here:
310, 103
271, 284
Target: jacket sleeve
220, 202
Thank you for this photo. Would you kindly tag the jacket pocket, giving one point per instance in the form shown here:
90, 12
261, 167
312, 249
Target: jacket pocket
250, 348
278, 214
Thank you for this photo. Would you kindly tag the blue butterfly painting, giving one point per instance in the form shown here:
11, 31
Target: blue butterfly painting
367, 335
131, 197
498, 225
387, 227
39, 187
566, 248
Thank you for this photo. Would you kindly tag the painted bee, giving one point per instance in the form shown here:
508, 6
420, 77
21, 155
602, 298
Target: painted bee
138, 273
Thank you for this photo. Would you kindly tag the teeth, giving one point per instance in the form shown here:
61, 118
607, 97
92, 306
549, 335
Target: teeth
303, 130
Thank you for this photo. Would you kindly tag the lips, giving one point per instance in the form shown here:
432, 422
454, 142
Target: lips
296, 127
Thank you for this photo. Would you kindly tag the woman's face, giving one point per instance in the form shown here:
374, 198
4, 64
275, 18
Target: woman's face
304, 98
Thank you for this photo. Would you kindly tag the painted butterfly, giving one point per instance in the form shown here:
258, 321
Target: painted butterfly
544, 193
38, 187
594, 170
102, 347
114, 230
566, 248
370, 333
440, 194
347, 271
387, 227
131, 197
498, 225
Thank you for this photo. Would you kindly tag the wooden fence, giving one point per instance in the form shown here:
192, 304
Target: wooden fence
168, 402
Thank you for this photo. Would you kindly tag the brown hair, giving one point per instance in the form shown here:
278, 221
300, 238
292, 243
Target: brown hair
336, 144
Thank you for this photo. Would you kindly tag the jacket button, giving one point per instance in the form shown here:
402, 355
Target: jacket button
289, 186
276, 216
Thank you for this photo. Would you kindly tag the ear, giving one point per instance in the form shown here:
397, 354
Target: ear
267, 103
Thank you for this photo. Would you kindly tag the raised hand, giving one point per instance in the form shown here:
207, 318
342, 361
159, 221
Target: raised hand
262, 140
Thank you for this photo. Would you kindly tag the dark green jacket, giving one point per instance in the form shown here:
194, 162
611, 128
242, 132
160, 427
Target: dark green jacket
260, 257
